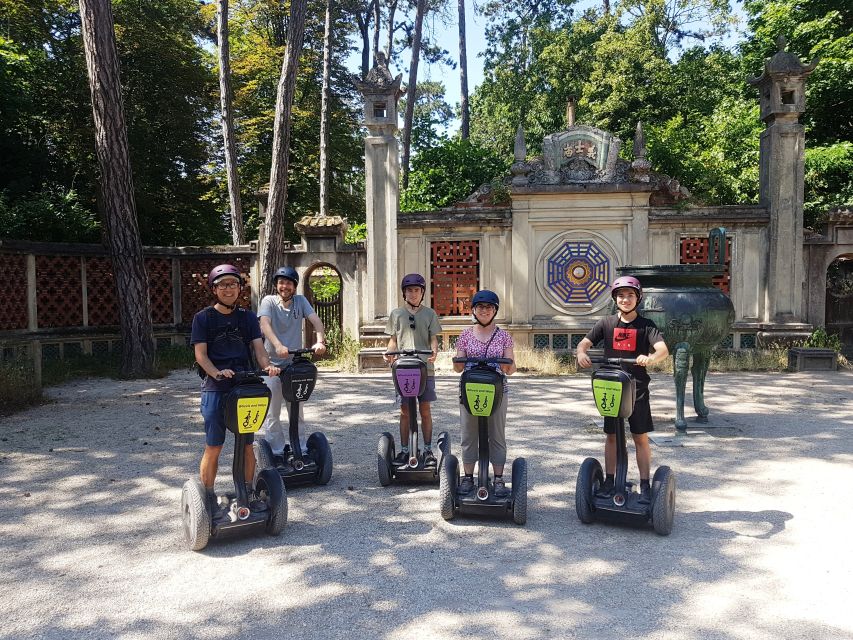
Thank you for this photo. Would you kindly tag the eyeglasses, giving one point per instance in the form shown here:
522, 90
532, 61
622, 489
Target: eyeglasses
227, 285
411, 321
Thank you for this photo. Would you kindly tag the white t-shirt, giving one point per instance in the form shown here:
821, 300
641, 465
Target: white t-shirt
286, 322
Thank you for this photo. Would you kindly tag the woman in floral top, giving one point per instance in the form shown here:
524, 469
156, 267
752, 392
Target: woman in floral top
485, 340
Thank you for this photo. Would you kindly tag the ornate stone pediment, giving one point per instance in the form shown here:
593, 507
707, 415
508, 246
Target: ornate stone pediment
577, 155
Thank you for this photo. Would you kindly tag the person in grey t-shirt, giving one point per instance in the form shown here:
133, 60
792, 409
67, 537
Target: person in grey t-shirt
282, 318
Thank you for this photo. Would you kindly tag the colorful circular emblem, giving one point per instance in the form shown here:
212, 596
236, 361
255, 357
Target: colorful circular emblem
578, 272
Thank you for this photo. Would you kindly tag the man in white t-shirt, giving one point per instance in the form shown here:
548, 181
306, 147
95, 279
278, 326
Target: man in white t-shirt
282, 318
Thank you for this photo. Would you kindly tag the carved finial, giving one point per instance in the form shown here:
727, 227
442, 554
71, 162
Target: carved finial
381, 60
570, 111
639, 142
781, 42
520, 150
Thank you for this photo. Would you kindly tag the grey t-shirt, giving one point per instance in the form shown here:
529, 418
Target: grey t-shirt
426, 324
286, 323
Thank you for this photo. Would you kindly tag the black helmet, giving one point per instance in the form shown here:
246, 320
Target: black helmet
413, 280
289, 273
486, 297
220, 271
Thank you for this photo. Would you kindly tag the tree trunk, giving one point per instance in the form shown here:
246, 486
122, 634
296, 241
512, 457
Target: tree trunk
377, 24
272, 253
411, 91
392, 9
117, 205
324, 113
463, 71
236, 207
364, 30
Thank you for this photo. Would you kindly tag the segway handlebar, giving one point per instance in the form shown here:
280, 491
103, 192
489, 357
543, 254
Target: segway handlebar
616, 361
240, 376
408, 352
300, 352
483, 360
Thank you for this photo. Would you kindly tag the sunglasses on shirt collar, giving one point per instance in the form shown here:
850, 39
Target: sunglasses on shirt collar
411, 321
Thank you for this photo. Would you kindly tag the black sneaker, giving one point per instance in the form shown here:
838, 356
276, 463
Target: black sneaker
402, 458
212, 505
429, 460
255, 502
645, 494
500, 488
606, 489
465, 486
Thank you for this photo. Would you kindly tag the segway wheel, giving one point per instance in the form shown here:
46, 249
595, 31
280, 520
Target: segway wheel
443, 443
263, 455
384, 456
448, 479
195, 515
663, 500
589, 477
519, 491
319, 450
270, 488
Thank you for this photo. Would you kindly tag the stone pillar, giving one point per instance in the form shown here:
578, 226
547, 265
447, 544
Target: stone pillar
782, 97
382, 178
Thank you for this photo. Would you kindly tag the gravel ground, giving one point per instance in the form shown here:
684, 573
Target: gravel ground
91, 538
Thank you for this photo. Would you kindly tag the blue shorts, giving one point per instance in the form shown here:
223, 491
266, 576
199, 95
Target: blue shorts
427, 396
214, 419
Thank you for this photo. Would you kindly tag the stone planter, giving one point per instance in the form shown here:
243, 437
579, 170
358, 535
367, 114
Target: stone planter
812, 359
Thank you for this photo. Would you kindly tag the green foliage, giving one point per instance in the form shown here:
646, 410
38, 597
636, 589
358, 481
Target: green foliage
343, 349
431, 113
828, 181
50, 215
448, 173
325, 285
820, 339
356, 232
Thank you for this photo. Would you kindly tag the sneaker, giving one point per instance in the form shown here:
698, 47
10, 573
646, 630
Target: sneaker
212, 505
606, 489
645, 494
402, 458
429, 460
500, 488
465, 486
255, 502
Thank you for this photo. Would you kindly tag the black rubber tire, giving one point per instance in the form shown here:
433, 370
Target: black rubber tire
589, 476
319, 449
443, 443
448, 480
519, 491
384, 455
663, 500
196, 517
270, 488
263, 455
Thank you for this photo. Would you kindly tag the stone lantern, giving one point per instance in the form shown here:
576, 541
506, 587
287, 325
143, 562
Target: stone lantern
382, 197
782, 96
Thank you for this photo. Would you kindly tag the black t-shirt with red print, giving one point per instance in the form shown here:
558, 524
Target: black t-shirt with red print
626, 340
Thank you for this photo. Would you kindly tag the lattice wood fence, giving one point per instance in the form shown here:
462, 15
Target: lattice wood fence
455, 269
695, 251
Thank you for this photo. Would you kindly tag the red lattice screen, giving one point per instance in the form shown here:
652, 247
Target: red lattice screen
196, 295
160, 289
455, 276
13, 314
695, 251
101, 292
59, 291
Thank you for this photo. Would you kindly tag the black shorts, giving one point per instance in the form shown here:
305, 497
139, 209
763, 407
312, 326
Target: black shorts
641, 420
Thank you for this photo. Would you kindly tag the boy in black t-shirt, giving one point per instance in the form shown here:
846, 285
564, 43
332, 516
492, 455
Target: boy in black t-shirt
629, 335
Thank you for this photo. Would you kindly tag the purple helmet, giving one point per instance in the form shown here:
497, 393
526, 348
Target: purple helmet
413, 280
220, 271
629, 282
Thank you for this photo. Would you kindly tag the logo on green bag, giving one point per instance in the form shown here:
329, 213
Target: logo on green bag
608, 397
481, 397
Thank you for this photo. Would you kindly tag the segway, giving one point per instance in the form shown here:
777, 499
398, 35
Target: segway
481, 390
410, 378
614, 390
314, 466
245, 408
